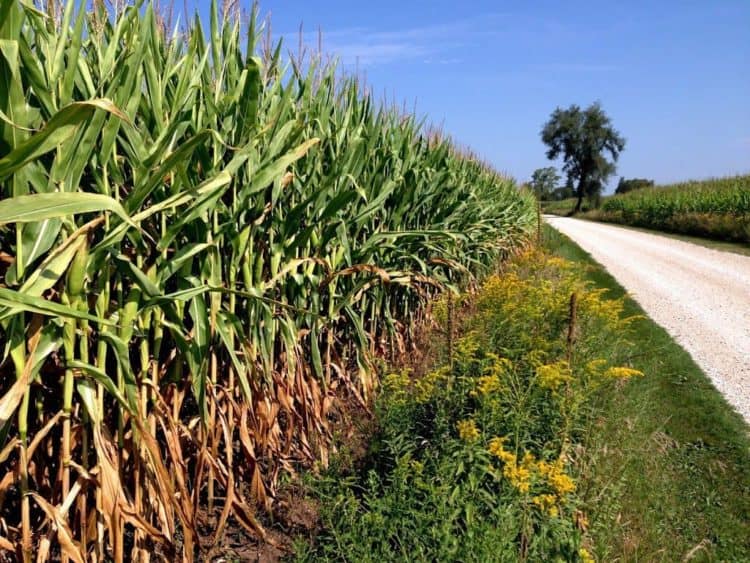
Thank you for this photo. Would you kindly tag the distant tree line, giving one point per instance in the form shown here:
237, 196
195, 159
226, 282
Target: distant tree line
544, 184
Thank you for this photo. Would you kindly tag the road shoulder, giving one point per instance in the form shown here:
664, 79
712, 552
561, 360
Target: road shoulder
670, 464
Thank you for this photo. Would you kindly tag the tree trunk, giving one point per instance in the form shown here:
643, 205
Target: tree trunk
580, 194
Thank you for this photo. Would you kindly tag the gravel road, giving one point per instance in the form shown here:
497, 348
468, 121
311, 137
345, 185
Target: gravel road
699, 295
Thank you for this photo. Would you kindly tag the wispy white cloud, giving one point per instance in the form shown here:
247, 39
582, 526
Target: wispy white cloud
445, 43
578, 67
443, 61
367, 51
433, 44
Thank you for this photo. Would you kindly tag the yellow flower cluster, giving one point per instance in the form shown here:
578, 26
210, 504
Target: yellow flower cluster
396, 385
535, 287
557, 263
467, 348
424, 387
496, 447
467, 430
595, 367
585, 556
440, 310
521, 475
500, 365
491, 382
488, 384
495, 287
546, 503
598, 370
594, 303
518, 476
551, 376
556, 477
622, 373
535, 357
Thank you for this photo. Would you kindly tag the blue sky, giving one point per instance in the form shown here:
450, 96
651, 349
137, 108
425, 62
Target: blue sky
673, 76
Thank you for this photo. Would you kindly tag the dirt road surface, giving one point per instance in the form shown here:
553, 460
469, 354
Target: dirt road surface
699, 295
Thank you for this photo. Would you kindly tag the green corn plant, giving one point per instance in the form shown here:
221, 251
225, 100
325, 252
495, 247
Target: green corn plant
717, 208
201, 248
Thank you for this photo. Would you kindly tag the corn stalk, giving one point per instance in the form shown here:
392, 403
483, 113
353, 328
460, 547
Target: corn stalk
200, 247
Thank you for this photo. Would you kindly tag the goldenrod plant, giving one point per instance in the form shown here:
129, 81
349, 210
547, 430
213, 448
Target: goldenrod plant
481, 461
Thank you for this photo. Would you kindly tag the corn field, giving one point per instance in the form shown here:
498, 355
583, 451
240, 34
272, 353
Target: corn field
203, 244
721, 195
716, 208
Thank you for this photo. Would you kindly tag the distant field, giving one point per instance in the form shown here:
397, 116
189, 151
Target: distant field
563, 207
717, 208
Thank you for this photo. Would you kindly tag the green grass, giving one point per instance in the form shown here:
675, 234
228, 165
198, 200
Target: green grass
670, 459
564, 207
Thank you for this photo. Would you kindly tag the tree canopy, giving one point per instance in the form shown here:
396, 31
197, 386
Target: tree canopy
563, 192
584, 139
544, 181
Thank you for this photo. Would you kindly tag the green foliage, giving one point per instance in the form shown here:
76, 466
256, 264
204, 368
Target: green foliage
666, 453
718, 208
205, 239
563, 192
543, 182
475, 461
565, 207
625, 186
583, 138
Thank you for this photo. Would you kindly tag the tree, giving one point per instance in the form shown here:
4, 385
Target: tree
624, 186
583, 138
543, 182
563, 192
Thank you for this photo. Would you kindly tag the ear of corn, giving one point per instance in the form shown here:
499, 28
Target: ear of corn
197, 248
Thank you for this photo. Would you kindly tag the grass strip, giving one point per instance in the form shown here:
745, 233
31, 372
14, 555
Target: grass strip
669, 475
